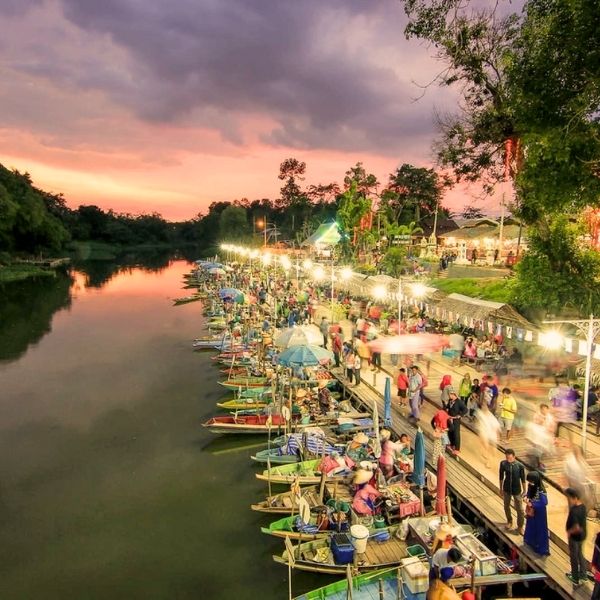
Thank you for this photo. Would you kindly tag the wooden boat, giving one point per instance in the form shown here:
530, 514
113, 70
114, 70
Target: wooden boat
293, 447
236, 371
287, 527
386, 584
382, 584
287, 502
247, 424
244, 403
245, 382
187, 299
304, 473
378, 554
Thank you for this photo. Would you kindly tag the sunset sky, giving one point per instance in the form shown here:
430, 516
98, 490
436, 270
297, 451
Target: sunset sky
148, 105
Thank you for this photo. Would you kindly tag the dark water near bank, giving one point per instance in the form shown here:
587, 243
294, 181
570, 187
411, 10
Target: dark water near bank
109, 487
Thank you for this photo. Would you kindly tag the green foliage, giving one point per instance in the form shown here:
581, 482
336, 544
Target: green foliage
559, 272
26, 224
394, 261
493, 289
354, 205
412, 192
18, 272
365, 183
233, 223
529, 82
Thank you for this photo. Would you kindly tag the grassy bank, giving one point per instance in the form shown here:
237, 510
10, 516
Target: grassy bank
493, 289
18, 272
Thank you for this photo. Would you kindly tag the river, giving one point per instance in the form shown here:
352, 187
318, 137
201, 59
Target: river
109, 486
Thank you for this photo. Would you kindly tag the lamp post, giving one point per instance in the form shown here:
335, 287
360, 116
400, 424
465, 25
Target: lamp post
590, 328
319, 275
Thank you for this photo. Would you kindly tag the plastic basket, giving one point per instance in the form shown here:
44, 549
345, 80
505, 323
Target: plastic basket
416, 550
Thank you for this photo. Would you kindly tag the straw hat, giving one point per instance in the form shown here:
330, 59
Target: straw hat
361, 438
301, 393
385, 434
362, 476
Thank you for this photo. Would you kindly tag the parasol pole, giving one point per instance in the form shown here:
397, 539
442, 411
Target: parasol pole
449, 509
350, 582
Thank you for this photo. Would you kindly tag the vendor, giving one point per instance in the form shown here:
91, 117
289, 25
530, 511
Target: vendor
358, 448
324, 398
389, 451
366, 494
440, 589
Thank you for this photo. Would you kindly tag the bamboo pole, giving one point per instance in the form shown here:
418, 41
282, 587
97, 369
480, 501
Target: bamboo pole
322, 487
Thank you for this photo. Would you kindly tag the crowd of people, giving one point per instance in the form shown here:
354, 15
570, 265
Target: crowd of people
484, 402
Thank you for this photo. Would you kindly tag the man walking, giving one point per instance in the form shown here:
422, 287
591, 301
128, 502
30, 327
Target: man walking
324, 328
576, 533
457, 409
512, 485
415, 383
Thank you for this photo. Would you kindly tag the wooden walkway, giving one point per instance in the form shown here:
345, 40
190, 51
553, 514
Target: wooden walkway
476, 487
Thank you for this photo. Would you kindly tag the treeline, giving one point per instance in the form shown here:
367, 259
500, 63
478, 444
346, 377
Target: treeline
34, 221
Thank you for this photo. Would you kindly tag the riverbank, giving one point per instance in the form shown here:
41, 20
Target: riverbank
20, 271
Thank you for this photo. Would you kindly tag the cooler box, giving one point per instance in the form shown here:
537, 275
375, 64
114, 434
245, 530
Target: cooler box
415, 575
342, 549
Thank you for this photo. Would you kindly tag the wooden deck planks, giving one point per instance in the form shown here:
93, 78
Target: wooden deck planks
484, 502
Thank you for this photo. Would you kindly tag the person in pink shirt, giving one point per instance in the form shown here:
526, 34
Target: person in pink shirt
388, 453
366, 494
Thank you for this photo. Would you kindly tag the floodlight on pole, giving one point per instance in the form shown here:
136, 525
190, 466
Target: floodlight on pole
419, 290
319, 273
286, 263
346, 273
379, 292
590, 328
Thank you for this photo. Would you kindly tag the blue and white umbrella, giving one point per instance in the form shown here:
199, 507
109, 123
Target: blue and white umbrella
304, 356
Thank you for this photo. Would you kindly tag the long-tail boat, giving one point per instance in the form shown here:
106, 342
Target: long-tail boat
246, 424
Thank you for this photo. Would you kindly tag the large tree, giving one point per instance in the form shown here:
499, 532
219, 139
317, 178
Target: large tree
530, 108
412, 192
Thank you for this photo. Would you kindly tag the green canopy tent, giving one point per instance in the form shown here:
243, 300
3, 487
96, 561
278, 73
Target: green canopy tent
327, 234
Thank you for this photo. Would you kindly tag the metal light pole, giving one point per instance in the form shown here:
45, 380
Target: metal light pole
590, 328
332, 279
399, 302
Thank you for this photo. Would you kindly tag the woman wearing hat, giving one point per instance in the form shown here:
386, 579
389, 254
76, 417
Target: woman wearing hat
358, 449
388, 453
324, 398
365, 496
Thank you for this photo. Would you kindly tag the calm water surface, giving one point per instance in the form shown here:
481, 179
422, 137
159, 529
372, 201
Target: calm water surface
109, 487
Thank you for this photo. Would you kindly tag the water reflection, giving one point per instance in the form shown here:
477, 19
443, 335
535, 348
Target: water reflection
26, 311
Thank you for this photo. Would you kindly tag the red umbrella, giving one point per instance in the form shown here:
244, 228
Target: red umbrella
440, 502
410, 343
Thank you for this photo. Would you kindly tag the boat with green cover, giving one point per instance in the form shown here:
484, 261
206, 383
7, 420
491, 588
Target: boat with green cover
304, 473
382, 584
